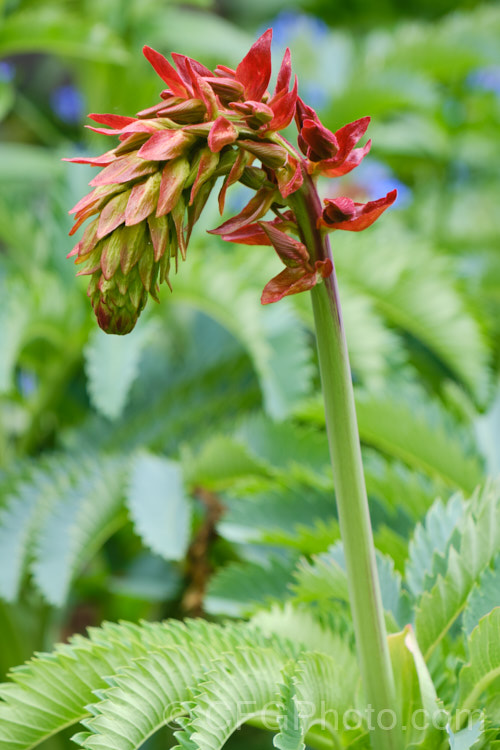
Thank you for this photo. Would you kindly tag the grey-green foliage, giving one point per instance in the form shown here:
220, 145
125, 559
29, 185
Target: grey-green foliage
480, 676
420, 433
57, 514
112, 364
414, 289
54, 518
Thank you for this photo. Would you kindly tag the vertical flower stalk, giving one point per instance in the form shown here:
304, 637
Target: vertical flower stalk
350, 490
151, 190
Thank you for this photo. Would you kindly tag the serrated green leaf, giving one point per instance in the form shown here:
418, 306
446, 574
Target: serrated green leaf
227, 291
484, 597
415, 290
237, 588
78, 522
20, 516
112, 363
430, 539
54, 519
286, 447
325, 578
52, 691
273, 512
159, 506
477, 546
220, 462
481, 675
413, 430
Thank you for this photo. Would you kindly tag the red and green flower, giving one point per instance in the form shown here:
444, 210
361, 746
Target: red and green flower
153, 185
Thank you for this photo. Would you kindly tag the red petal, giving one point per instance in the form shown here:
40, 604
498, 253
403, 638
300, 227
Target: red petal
143, 200
114, 121
289, 281
165, 144
291, 251
166, 72
184, 63
203, 91
295, 280
254, 71
113, 214
122, 170
350, 134
222, 133
250, 234
255, 208
353, 159
323, 144
173, 177
74, 251
290, 178
363, 216
285, 73
283, 107
97, 161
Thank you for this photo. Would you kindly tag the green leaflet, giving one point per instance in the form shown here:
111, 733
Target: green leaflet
325, 578
227, 290
430, 540
481, 675
238, 587
112, 365
477, 545
241, 686
484, 597
159, 506
413, 430
56, 518
318, 694
52, 691
415, 291
313, 630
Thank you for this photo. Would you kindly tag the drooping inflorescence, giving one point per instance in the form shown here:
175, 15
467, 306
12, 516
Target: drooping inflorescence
153, 186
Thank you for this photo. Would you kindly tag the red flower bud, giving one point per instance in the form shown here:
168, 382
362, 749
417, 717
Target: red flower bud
343, 213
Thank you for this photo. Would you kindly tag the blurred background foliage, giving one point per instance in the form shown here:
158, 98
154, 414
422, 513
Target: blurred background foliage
184, 469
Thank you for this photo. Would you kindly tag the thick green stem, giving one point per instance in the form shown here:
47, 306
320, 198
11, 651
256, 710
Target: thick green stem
350, 490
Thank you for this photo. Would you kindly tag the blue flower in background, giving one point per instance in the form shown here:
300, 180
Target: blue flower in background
67, 102
486, 79
7, 71
27, 383
288, 25
309, 40
376, 179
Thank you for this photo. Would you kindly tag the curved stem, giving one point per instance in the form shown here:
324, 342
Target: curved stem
350, 490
